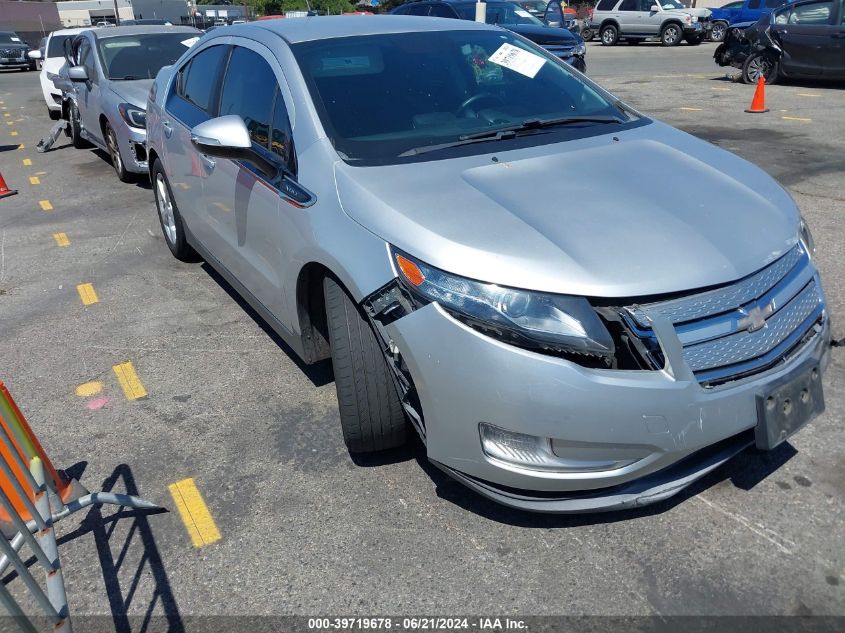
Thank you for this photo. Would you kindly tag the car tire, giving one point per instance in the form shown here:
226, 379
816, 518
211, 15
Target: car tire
371, 415
116, 158
671, 35
609, 35
169, 217
718, 32
587, 34
759, 64
76, 129
693, 40
54, 115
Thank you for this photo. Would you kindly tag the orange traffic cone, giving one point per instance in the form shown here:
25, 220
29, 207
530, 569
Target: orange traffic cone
4, 189
758, 103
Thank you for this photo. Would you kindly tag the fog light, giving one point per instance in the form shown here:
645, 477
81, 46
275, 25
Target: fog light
535, 453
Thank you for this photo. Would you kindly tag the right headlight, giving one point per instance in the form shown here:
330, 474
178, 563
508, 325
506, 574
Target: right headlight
807, 238
534, 320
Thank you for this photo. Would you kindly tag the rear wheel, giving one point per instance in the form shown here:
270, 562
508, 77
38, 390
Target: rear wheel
587, 34
671, 35
609, 35
371, 414
760, 65
718, 32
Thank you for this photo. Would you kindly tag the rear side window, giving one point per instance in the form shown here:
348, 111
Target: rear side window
605, 5
198, 79
248, 91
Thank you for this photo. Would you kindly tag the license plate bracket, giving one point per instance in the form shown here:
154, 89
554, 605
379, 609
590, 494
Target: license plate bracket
787, 407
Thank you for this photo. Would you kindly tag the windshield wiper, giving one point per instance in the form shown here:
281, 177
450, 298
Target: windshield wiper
500, 134
538, 124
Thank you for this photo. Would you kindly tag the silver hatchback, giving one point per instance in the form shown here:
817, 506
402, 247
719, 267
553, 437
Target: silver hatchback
387, 193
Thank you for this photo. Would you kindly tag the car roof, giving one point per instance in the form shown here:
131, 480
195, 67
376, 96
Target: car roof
71, 31
328, 27
141, 29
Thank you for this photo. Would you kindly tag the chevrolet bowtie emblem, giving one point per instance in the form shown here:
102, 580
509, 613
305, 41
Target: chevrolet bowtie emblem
755, 318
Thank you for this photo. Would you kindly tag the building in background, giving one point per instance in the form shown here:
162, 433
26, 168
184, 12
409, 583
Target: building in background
75, 13
30, 20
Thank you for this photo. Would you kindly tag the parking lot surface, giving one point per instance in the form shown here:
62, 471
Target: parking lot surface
157, 373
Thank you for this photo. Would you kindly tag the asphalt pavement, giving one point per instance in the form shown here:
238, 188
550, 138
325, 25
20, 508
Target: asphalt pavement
212, 399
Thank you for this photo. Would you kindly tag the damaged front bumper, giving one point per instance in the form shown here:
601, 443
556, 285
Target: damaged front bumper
663, 431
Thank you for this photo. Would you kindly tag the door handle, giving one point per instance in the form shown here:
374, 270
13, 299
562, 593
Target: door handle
168, 130
209, 161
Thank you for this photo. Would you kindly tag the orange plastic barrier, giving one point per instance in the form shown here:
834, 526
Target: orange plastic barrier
26, 445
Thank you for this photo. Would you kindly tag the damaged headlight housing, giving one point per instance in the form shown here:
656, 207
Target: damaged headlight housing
533, 320
807, 238
133, 115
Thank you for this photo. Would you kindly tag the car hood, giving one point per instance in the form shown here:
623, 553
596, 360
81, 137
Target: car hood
653, 212
134, 92
543, 34
15, 46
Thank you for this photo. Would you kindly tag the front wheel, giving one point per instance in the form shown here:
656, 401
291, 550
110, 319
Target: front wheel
587, 34
671, 35
169, 216
718, 32
116, 159
609, 35
371, 415
76, 129
760, 65
693, 40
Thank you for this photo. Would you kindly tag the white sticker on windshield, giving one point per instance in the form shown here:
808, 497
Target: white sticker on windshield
190, 41
15, 39
522, 13
518, 59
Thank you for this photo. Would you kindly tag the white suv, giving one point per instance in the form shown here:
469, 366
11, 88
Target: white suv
637, 20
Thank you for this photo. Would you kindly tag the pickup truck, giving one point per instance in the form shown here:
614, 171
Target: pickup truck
740, 11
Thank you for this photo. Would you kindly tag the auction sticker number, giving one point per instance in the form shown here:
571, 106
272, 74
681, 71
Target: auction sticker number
518, 60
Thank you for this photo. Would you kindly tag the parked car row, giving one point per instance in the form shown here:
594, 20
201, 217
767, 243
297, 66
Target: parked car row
14, 52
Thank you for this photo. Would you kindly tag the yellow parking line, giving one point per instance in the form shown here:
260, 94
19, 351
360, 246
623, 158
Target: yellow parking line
87, 294
796, 118
13, 133
129, 381
6, 114
88, 389
692, 109
195, 514
45, 205
10, 122
27, 162
21, 146
34, 180
61, 239
807, 94
721, 89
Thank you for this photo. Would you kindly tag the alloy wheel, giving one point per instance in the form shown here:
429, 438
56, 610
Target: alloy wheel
759, 66
165, 209
717, 34
114, 151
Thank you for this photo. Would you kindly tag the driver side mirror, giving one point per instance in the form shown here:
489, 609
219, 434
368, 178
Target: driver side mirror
654, 8
227, 137
36, 54
77, 74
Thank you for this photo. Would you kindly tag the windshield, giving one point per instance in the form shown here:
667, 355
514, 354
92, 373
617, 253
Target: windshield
10, 38
507, 13
142, 56
56, 48
535, 6
380, 96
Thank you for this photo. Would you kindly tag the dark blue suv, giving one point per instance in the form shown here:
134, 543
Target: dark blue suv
738, 12
559, 42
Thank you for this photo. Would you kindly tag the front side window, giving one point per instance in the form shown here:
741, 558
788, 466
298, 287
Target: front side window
773, 4
85, 58
56, 46
198, 78
754, 4
281, 137
141, 56
811, 13
670, 5
629, 5
380, 96
248, 91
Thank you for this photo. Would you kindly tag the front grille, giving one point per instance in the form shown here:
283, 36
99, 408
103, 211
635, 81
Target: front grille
559, 51
745, 327
15, 53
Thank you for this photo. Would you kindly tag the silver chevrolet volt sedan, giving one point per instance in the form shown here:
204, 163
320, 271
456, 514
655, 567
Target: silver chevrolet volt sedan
494, 252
